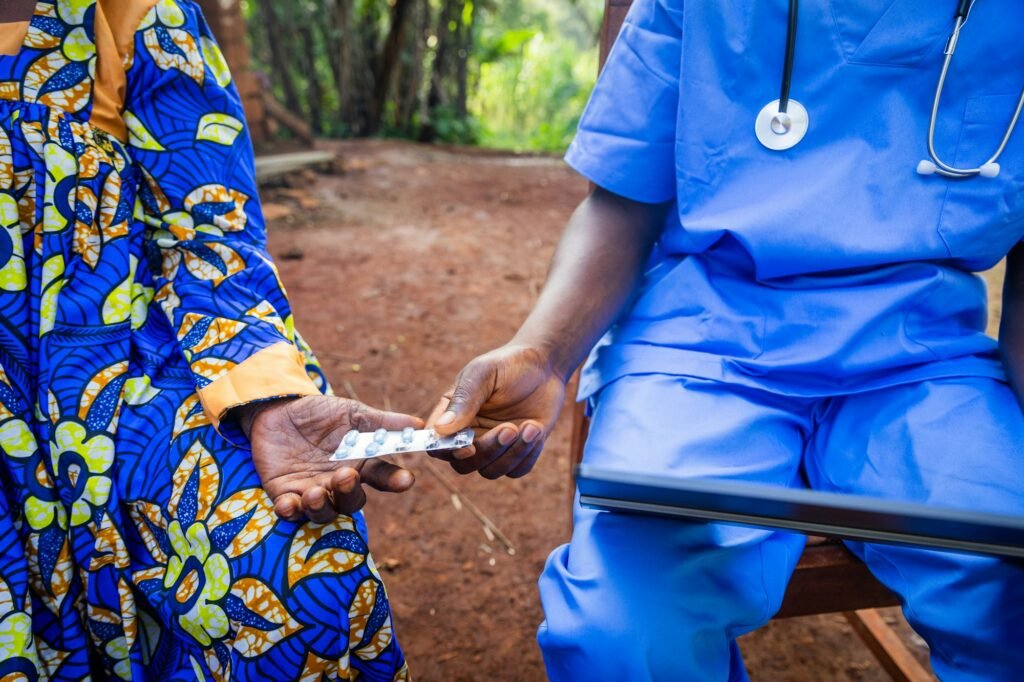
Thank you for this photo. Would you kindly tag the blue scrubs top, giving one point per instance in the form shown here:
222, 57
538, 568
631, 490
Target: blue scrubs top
832, 267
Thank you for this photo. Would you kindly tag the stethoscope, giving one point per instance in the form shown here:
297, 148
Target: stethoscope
783, 123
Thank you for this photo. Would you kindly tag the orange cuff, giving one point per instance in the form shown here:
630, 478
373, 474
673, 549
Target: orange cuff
12, 37
274, 372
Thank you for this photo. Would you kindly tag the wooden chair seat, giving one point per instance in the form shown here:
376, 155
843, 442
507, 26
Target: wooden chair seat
830, 579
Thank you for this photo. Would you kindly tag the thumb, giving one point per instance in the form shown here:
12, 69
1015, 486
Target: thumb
473, 387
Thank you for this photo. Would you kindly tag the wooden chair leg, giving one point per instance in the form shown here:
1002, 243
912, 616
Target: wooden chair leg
887, 646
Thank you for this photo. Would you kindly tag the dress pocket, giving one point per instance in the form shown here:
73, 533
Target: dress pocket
982, 218
891, 32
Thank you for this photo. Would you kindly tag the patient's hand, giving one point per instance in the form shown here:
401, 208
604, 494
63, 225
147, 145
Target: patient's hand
292, 443
514, 396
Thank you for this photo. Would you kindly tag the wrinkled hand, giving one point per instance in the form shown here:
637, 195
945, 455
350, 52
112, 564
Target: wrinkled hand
512, 398
292, 442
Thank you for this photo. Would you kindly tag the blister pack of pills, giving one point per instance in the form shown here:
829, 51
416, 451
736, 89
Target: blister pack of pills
358, 445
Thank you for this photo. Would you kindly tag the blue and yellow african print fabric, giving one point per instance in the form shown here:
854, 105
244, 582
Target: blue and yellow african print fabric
135, 540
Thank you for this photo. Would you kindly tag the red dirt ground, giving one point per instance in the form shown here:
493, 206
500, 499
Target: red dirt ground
401, 270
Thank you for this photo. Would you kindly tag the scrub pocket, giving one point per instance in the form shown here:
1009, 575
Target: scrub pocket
981, 218
890, 32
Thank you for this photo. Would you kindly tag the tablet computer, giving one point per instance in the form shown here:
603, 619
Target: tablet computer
807, 511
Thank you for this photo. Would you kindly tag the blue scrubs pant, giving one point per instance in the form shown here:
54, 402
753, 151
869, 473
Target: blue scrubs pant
635, 598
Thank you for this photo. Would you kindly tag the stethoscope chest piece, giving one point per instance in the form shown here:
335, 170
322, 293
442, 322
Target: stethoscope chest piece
778, 130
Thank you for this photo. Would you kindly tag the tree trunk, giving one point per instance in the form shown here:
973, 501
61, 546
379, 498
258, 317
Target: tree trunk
410, 75
342, 60
314, 93
465, 48
389, 60
436, 97
363, 37
279, 59
327, 26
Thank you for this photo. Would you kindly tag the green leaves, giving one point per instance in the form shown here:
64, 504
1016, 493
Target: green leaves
502, 73
507, 44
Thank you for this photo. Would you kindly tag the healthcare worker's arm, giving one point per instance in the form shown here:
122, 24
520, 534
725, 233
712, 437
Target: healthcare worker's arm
516, 392
625, 145
1011, 331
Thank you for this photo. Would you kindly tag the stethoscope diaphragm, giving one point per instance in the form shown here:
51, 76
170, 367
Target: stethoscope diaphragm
783, 123
779, 130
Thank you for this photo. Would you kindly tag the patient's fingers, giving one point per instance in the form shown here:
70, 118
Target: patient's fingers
289, 507
387, 477
317, 503
347, 494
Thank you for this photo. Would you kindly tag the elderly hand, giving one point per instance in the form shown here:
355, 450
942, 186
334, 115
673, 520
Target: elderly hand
292, 443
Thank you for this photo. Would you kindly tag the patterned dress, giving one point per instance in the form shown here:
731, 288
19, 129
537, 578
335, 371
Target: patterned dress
137, 305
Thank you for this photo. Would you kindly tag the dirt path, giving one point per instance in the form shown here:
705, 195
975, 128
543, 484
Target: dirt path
415, 260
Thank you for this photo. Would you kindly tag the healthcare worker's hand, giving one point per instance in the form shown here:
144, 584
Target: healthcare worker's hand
292, 442
511, 397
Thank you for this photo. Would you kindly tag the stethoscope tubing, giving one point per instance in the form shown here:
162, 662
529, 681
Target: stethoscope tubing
989, 169
787, 64
942, 167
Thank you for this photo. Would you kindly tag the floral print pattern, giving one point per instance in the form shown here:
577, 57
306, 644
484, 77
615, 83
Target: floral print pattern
135, 540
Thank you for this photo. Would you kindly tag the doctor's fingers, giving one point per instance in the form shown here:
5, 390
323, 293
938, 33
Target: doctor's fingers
513, 458
487, 448
511, 450
453, 455
529, 461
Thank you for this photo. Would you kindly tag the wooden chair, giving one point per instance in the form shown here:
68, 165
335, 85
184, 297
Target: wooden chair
828, 578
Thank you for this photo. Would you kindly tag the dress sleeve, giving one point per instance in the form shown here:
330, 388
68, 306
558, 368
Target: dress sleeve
626, 138
205, 234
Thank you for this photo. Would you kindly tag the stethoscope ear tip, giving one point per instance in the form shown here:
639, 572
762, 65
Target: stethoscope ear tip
989, 170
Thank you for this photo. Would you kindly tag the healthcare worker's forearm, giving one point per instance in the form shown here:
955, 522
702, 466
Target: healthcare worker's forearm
1011, 330
596, 267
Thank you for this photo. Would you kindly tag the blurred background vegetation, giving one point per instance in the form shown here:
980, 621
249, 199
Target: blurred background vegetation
510, 74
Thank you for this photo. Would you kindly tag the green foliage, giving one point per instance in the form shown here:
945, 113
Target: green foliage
532, 100
536, 66
450, 127
526, 68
